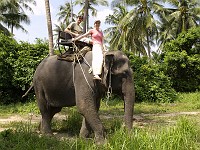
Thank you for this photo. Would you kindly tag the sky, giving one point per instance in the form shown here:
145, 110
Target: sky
38, 25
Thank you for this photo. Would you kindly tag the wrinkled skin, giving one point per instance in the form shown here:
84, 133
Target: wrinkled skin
55, 88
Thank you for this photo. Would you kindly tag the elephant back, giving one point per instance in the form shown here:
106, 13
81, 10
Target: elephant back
53, 79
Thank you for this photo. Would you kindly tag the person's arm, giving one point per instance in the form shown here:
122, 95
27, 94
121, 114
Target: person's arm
69, 30
81, 36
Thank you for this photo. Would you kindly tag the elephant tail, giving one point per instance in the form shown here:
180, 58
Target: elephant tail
32, 85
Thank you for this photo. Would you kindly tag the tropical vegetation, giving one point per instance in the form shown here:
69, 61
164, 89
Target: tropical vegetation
151, 22
17, 65
136, 25
166, 81
181, 58
12, 14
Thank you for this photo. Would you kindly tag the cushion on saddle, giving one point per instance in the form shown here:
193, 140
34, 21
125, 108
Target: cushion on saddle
72, 56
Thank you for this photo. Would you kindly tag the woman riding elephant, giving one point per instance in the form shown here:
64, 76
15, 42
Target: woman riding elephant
60, 84
97, 49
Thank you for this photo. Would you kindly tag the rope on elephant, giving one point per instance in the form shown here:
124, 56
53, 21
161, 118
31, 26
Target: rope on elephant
109, 91
76, 55
86, 62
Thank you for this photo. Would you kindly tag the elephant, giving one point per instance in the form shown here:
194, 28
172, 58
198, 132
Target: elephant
59, 83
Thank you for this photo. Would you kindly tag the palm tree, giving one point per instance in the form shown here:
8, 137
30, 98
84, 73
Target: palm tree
13, 13
65, 12
114, 32
185, 13
139, 25
61, 27
181, 16
124, 3
86, 19
3, 4
88, 5
49, 25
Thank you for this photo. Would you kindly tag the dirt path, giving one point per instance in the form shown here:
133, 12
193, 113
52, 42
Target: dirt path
36, 118
25, 118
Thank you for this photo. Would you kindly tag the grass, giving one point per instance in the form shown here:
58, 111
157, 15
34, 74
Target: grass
152, 131
183, 136
19, 108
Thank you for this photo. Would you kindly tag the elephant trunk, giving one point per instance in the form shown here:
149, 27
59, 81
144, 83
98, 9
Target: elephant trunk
129, 99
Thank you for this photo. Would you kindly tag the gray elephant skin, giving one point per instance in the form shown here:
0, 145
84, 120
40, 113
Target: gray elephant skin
60, 84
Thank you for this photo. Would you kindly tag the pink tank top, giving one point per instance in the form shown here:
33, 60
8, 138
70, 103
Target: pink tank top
97, 36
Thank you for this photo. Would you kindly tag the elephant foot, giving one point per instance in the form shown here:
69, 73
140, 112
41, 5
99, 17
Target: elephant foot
45, 130
49, 133
39, 127
100, 141
84, 134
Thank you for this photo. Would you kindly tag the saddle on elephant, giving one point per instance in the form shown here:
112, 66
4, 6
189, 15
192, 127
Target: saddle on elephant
74, 56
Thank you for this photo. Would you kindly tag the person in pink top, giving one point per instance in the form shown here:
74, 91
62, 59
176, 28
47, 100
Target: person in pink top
97, 49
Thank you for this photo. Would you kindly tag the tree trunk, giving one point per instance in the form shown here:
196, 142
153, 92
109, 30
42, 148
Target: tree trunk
148, 45
49, 25
85, 16
71, 11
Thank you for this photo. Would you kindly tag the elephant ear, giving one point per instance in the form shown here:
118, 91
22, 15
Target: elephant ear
108, 62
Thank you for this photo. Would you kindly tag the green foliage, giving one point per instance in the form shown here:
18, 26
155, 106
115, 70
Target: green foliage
7, 58
28, 57
184, 135
182, 61
8, 53
17, 64
71, 124
16, 140
151, 83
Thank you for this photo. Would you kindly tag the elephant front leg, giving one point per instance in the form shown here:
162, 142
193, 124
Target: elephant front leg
85, 129
91, 120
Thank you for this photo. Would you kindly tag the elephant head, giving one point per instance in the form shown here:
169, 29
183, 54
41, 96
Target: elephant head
118, 74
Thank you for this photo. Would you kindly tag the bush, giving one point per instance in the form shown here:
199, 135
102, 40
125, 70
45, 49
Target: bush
28, 57
18, 62
151, 84
182, 61
7, 58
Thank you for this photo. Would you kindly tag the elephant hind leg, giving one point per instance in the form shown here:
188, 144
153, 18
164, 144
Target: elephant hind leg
47, 115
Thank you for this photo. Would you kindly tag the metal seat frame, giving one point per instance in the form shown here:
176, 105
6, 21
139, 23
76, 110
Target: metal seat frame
65, 40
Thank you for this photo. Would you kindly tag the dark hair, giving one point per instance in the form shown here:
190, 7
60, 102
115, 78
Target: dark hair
80, 16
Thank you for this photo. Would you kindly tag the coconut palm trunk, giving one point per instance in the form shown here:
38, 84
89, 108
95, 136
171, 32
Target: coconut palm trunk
86, 16
49, 25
